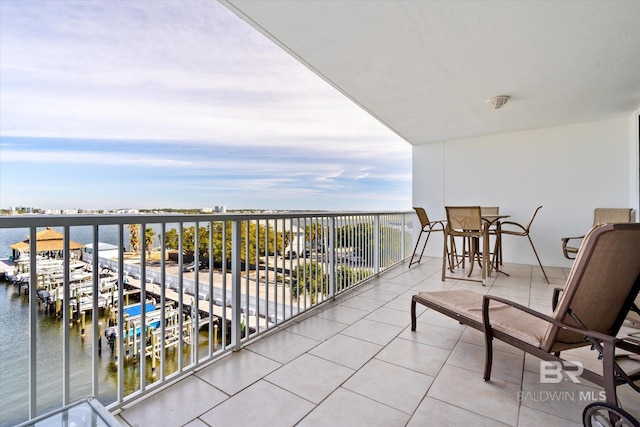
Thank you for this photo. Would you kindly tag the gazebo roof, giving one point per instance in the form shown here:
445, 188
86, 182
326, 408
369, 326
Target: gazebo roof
46, 240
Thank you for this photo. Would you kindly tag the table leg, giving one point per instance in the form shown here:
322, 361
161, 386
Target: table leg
485, 255
497, 254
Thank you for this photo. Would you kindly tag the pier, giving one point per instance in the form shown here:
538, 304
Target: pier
137, 339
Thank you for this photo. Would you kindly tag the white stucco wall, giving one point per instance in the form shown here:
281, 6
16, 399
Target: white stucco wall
570, 170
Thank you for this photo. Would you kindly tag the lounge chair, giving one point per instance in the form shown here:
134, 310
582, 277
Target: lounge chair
601, 414
602, 285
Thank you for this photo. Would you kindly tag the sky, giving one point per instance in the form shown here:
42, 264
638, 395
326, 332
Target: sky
178, 104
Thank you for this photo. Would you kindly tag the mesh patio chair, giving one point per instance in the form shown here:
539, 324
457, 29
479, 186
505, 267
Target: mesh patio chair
523, 231
428, 227
465, 222
600, 216
489, 210
606, 216
602, 285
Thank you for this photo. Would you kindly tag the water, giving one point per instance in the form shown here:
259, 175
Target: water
14, 347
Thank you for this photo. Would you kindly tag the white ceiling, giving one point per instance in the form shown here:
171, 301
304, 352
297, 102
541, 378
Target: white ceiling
426, 68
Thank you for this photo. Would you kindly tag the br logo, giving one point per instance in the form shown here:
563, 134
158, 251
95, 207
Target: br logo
556, 372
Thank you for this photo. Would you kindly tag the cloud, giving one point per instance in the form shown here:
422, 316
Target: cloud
183, 94
193, 160
83, 158
164, 70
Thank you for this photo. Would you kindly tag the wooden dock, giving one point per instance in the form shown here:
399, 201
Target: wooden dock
218, 312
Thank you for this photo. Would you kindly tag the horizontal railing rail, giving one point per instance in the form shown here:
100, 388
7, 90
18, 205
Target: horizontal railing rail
172, 292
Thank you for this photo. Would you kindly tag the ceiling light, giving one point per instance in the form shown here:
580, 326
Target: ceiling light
498, 101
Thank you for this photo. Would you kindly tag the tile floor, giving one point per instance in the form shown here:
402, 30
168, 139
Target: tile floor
355, 362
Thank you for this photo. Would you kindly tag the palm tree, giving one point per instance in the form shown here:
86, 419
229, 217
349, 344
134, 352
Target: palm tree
134, 231
148, 240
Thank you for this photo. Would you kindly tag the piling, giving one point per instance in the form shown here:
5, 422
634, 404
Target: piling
82, 323
154, 339
135, 344
127, 342
215, 336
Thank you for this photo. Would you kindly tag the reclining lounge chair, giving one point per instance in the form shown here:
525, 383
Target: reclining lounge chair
600, 289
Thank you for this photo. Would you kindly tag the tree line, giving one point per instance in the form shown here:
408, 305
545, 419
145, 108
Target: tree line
310, 278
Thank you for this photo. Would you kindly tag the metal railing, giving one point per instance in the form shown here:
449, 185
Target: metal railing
209, 283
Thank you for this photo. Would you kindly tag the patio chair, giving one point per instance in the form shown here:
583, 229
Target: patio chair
605, 216
600, 216
602, 284
428, 227
489, 210
523, 231
465, 222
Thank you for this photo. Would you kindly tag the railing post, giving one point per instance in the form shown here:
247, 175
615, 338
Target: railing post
378, 246
163, 297
180, 294
236, 329
195, 305
143, 306
33, 330
402, 236
94, 306
119, 344
66, 319
332, 257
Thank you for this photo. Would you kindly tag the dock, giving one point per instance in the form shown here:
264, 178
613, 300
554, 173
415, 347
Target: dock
217, 312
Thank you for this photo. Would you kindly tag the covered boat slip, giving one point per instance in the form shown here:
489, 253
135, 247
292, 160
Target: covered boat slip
217, 309
49, 242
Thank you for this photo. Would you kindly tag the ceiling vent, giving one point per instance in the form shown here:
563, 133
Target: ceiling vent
498, 101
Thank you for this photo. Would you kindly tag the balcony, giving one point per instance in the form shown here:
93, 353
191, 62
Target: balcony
250, 275
346, 356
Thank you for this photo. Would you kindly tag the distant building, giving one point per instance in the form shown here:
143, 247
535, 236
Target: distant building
220, 209
127, 211
22, 209
206, 210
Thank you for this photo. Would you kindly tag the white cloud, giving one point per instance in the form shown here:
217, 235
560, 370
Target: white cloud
177, 75
165, 70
